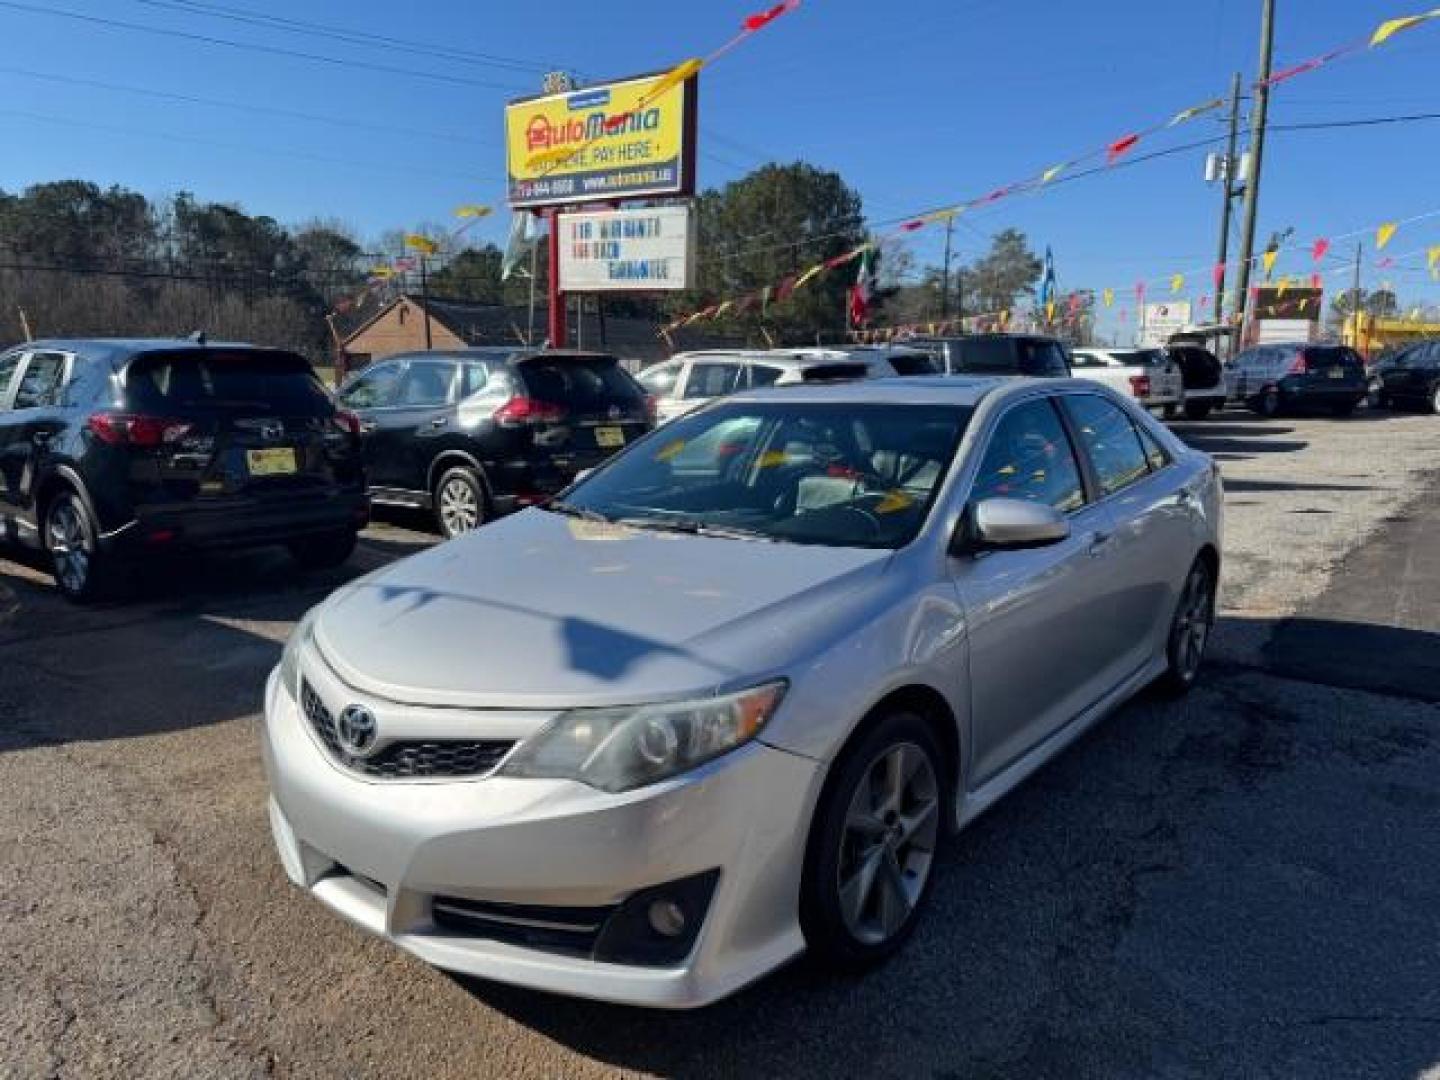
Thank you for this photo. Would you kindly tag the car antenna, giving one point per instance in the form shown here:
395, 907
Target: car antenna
198, 337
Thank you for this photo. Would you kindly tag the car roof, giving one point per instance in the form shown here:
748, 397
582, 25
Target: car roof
119, 350
788, 359
963, 390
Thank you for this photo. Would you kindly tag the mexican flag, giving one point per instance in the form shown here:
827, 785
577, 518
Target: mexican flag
861, 292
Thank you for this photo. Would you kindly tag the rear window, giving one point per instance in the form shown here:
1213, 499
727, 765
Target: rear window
914, 364
1332, 356
580, 382
988, 354
834, 372
1144, 358
251, 380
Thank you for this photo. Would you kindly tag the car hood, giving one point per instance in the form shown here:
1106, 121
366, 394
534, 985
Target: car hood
544, 611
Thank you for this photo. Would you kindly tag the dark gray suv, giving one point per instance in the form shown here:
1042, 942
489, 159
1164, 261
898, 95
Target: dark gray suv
998, 354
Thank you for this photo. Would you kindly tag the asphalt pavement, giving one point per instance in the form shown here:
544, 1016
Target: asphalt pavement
1240, 884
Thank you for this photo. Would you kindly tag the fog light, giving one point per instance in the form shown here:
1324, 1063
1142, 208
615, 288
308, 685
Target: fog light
667, 918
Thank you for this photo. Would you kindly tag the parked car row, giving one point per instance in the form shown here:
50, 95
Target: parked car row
1280, 378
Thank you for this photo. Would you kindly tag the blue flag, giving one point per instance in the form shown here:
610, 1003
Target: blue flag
1047, 282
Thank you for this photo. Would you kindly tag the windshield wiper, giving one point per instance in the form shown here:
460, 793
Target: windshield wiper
691, 527
557, 506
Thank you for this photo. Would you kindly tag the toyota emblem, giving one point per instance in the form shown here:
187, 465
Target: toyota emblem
355, 730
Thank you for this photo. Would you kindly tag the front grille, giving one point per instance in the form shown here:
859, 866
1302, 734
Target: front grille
430, 759
569, 930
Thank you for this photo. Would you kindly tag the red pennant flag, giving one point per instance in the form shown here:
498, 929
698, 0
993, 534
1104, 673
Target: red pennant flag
911, 226
1321, 247
784, 289
1385, 263
1120, 147
762, 19
1218, 274
1300, 69
1139, 292
1315, 281
996, 195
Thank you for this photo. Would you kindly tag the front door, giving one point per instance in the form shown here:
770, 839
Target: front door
31, 422
11, 464
368, 395
404, 434
1036, 617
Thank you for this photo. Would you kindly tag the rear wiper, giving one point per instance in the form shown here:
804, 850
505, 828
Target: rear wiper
558, 506
691, 527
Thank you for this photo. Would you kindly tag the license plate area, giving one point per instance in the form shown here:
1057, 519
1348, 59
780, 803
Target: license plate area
1336, 373
609, 437
272, 461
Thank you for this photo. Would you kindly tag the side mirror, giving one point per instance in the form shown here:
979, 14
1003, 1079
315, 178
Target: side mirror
1009, 525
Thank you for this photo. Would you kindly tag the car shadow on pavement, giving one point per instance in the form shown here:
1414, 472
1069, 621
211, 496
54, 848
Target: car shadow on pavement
1242, 882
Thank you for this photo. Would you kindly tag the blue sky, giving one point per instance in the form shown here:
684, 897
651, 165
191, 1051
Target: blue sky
918, 103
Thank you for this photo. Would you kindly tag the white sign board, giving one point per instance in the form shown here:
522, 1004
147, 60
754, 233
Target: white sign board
627, 250
1160, 321
1272, 331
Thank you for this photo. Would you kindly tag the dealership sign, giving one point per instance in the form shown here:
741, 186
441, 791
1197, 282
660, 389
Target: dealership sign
627, 250
1161, 321
605, 142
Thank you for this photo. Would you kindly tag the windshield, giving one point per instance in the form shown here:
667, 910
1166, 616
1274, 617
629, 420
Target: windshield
218, 379
851, 475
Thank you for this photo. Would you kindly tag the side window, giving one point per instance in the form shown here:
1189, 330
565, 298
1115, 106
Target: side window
41, 383
1111, 440
1427, 359
712, 380
1029, 457
474, 378
9, 364
1085, 360
427, 383
660, 379
373, 390
764, 374
1156, 456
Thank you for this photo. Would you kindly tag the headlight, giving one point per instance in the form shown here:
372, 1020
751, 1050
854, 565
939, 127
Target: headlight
290, 658
620, 749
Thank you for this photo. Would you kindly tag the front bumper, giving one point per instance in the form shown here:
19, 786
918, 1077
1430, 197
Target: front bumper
381, 852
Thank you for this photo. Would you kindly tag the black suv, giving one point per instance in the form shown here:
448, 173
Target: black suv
1409, 377
1271, 379
116, 448
998, 354
474, 433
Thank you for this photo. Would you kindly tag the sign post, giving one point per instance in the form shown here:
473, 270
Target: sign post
557, 331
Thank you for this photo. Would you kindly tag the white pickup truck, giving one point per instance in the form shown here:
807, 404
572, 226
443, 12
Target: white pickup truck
1147, 375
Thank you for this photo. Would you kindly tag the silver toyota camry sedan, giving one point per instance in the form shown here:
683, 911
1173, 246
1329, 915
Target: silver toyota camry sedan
729, 698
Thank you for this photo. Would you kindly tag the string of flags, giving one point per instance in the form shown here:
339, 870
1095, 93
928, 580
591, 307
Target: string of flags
1112, 152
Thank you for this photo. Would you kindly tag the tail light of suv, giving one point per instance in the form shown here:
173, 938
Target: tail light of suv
521, 411
1140, 385
1299, 364
129, 429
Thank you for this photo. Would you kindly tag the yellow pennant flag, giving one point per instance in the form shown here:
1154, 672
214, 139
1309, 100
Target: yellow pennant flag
1004, 317
1284, 284
1052, 172
424, 244
1194, 111
1050, 311
1388, 29
1432, 257
1269, 260
941, 215
1177, 283
808, 275
726, 306
1109, 297
1384, 234
472, 211
673, 78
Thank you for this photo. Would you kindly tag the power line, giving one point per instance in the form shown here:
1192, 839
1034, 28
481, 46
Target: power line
274, 50
354, 37
244, 106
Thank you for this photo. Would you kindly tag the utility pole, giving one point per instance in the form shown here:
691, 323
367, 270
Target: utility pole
1258, 118
425, 301
1227, 194
1355, 300
945, 277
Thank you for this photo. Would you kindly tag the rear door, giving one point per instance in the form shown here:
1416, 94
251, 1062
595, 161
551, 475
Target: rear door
27, 428
226, 424
592, 408
402, 440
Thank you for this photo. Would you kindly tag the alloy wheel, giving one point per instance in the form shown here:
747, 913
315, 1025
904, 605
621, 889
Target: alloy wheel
1192, 624
459, 506
69, 545
888, 843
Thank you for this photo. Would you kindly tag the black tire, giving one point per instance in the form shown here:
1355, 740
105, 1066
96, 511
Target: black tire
1268, 404
1198, 410
324, 552
1190, 630
83, 573
901, 865
461, 504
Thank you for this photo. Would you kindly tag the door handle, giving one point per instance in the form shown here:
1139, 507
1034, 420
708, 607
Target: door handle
367, 427
1099, 541
1185, 496
439, 421
42, 438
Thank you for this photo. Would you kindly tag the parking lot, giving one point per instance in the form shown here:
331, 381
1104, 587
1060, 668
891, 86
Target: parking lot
1241, 884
